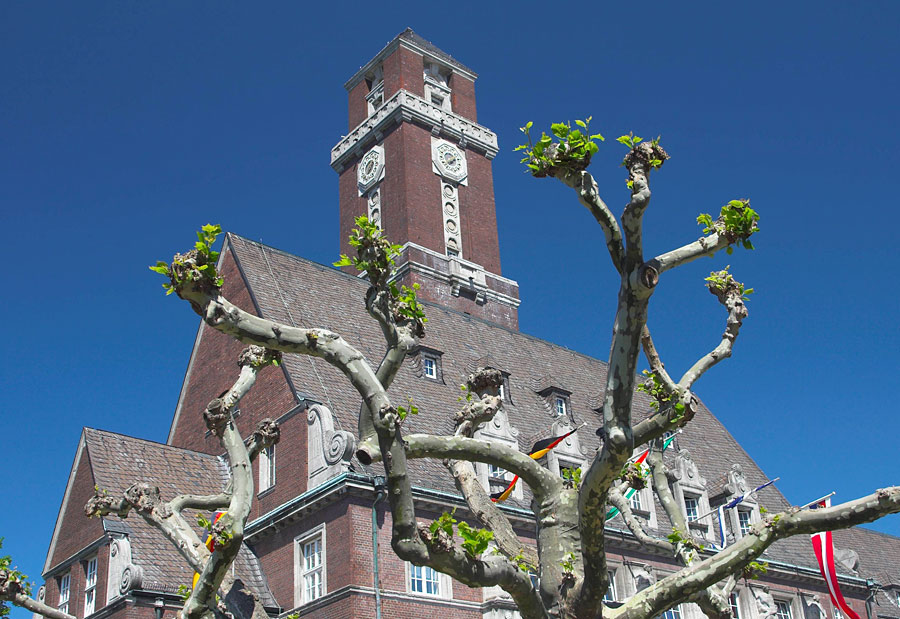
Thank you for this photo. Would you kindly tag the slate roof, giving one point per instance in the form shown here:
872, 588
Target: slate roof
118, 461
320, 296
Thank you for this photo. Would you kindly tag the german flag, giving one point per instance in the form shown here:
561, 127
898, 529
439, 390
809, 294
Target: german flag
210, 544
538, 451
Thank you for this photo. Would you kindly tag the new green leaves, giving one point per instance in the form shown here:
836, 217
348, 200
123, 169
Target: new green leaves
655, 388
571, 153
475, 541
196, 266
375, 257
736, 221
721, 283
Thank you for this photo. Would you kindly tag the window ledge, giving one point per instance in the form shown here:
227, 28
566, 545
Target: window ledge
266, 492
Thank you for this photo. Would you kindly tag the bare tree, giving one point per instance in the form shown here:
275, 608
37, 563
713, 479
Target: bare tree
569, 514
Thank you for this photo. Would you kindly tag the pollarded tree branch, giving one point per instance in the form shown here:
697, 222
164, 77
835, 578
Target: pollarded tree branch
656, 364
704, 246
14, 591
485, 383
589, 195
483, 571
677, 587
229, 529
542, 482
618, 500
731, 293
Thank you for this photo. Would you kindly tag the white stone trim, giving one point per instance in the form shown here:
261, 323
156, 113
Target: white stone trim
404, 106
457, 277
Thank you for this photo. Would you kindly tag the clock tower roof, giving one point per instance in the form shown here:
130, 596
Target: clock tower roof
412, 41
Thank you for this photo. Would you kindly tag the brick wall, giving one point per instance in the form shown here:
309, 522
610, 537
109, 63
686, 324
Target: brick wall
357, 104
462, 97
404, 69
77, 530
214, 369
478, 215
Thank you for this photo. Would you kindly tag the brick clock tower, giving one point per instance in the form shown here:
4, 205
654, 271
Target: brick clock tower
417, 162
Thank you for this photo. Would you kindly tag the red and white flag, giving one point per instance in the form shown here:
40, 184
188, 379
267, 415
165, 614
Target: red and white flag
824, 549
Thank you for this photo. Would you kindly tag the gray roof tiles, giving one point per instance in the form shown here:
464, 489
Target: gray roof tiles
118, 461
325, 297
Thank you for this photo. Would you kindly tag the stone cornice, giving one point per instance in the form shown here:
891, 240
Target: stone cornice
462, 274
407, 107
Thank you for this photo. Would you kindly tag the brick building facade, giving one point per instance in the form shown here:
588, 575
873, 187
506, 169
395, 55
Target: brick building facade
318, 538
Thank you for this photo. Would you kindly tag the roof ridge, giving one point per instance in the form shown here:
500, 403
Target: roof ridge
88, 430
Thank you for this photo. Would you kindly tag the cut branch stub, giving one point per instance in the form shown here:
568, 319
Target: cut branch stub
103, 503
485, 380
216, 416
644, 154
258, 356
267, 433
145, 498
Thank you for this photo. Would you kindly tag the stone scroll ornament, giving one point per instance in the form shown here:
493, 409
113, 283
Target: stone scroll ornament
824, 549
538, 451
210, 544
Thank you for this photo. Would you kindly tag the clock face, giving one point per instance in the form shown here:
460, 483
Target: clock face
449, 158
370, 169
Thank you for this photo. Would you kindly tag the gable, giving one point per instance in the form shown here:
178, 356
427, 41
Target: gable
213, 368
74, 531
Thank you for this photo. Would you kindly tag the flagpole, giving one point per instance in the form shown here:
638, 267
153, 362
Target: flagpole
811, 503
711, 512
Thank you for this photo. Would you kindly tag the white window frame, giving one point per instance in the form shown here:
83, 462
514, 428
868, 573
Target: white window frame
672, 613
65, 592
837, 612
786, 605
740, 525
560, 406
429, 363
90, 586
637, 505
266, 461
444, 582
734, 600
611, 594
497, 472
300, 569
687, 512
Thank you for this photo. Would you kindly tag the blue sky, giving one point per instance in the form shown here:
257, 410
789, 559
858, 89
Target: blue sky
125, 126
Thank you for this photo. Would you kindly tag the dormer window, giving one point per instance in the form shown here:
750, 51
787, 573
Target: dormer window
561, 406
744, 519
429, 368
691, 508
427, 362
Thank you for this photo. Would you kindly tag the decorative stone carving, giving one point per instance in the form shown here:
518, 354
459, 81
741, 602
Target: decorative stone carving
497, 430
765, 603
123, 574
406, 107
40, 598
812, 607
737, 483
328, 450
686, 471
848, 558
370, 169
643, 576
